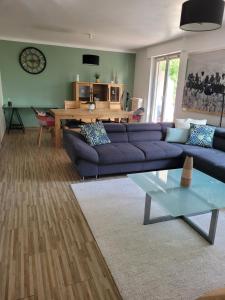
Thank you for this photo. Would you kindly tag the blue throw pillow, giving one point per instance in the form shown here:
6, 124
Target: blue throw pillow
177, 135
201, 135
95, 134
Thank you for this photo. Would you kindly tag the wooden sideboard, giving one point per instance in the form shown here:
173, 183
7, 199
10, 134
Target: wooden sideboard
105, 95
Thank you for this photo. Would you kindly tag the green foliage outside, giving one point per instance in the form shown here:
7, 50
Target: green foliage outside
173, 71
173, 68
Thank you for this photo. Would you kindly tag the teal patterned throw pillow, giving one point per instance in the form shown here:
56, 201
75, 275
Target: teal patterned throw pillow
95, 134
201, 135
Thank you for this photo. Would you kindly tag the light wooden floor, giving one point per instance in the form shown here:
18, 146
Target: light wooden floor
46, 248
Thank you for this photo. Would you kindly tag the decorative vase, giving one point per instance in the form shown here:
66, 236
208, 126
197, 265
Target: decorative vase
78, 78
186, 176
112, 77
116, 79
91, 106
97, 80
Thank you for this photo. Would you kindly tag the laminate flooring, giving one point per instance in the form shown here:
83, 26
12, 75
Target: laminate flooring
47, 250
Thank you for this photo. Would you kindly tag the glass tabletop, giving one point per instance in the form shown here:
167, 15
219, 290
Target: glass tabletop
205, 193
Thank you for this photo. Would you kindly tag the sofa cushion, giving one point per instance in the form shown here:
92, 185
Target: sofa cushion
190, 149
119, 153
158, 150
204, 155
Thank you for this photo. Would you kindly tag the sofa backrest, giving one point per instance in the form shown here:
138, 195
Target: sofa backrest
164, 126
116, 132
219, 139
136, 132
144, 132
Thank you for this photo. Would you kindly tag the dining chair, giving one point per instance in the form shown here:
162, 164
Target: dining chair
138, 115
70, 104
72, 124
46, 121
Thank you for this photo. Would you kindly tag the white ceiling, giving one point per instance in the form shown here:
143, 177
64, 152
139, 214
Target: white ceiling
116, 25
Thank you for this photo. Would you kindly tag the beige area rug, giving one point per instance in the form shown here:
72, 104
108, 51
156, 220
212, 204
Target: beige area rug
161, 261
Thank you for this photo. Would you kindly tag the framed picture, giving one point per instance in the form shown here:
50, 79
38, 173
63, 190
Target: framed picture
205, 83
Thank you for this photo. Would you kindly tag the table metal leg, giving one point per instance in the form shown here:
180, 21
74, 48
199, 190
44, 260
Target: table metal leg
209, 237
11, 118
213, 225
147, 213
148, 201
21, 126
12, 125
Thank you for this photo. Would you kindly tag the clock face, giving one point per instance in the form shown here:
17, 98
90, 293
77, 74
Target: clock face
32, 60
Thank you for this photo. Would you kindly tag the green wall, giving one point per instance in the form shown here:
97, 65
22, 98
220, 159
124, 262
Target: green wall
53, 86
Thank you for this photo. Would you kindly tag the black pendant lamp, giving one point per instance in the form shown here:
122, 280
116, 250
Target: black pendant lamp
90, 59
202, 15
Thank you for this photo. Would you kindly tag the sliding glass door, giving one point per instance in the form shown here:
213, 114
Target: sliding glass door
165, 87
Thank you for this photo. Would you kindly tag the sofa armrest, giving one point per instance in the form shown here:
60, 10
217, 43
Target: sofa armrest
77, 148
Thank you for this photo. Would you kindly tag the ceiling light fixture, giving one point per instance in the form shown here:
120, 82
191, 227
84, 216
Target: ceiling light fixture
202, 15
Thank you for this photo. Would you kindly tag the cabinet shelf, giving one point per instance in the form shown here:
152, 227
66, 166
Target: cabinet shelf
101, 93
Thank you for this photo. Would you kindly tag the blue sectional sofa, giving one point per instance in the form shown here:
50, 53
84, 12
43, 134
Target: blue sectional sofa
141, 147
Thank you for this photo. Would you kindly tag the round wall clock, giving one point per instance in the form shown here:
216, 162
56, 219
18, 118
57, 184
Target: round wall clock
32, 60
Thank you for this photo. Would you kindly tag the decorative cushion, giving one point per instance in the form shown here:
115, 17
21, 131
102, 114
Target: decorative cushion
185, 123
201, 135
197, 122
182, 123
95, 134
177, 135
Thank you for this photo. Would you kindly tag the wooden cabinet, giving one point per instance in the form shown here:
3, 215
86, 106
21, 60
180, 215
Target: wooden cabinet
105, 95
82, 91
115, 92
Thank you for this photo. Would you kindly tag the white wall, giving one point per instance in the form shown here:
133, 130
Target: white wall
2, 118
207, 41
142, 75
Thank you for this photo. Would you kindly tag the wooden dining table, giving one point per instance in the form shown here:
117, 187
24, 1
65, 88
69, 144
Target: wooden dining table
84, 115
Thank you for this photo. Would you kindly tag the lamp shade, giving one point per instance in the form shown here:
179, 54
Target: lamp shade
202, 15
90, 59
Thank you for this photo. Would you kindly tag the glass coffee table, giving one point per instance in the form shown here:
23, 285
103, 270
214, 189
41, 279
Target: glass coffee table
205, 195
